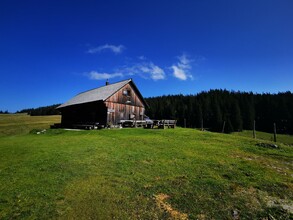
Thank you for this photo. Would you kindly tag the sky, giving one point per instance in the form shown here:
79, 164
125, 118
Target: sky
51, 50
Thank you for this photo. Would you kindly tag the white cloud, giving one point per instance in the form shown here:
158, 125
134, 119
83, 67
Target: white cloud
156, 73
146, 69
182, 69
102, 76
184, 62
115, 49
179, 73
153, 71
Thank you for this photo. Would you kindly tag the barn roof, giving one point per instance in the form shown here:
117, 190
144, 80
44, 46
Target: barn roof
100, 94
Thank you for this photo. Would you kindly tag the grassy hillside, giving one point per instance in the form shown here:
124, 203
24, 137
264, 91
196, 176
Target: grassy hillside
140, 174
286, 139
17, 124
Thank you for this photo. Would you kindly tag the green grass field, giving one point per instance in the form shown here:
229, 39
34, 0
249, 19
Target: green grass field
281, 138
139, 174
18, 124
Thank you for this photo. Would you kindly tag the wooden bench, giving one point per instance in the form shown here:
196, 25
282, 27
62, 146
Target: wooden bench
132, 123
167, 123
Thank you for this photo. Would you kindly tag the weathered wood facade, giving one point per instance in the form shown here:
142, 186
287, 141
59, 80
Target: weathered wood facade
106, 105
124, 105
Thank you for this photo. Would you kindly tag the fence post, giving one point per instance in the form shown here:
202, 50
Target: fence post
275, 133
184, 122
202, 124
254, 134
223, 129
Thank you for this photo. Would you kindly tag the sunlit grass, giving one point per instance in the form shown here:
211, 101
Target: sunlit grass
281, 138
120, 174
16, 124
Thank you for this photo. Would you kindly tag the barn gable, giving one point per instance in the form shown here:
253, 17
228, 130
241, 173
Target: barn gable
127, 95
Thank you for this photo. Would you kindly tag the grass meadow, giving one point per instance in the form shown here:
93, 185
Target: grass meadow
139, 174
281, 138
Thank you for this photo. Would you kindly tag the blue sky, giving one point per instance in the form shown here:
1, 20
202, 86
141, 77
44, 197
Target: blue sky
50, 50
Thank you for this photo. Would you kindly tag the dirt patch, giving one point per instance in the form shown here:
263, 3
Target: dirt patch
281, 170
162, 204
201, 217
250, 196
276, 202
146, 161
255, 198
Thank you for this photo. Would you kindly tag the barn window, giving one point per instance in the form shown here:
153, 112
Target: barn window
126, 92
127, 96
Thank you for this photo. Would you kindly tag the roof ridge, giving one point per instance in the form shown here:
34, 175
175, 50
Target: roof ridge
99, 93
128, 80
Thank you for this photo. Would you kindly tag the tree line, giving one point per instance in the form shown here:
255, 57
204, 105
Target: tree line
4, 112
213, 109
46, 110
234, 111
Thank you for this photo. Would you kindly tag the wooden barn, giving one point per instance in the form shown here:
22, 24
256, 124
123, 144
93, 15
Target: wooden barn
107, 105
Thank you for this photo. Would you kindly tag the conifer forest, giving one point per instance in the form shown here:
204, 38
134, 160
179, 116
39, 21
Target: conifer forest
238, 110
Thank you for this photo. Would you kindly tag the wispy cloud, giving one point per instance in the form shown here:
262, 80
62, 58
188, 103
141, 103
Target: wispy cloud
94, 75
155, 72
181, 70
115, 49
146, 70
179, 73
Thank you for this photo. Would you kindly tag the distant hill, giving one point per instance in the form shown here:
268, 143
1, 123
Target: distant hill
46, 110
